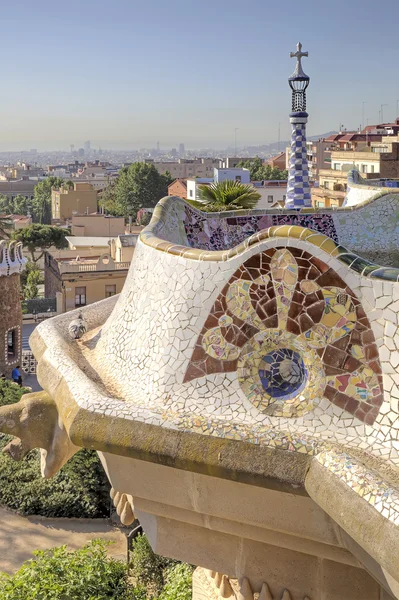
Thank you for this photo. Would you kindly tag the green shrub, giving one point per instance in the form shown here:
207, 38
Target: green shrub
147, 568
10, 392
79, 489
57, 574
90, 574
178, 583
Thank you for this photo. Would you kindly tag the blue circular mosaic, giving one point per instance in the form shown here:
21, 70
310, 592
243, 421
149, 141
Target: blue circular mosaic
283, 373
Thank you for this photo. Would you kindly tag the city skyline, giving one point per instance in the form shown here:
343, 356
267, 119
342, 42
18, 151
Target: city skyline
140, 74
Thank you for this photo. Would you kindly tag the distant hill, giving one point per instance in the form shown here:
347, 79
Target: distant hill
321, 135
274, 147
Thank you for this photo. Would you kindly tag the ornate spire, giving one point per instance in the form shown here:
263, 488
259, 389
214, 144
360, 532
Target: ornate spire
299, 81
298, 189
299, 72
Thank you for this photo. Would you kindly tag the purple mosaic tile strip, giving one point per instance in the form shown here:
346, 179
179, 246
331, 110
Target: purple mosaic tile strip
213, 233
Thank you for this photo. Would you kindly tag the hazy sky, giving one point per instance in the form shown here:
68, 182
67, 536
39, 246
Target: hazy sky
128, 73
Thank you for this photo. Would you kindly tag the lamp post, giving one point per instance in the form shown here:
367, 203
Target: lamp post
363, 103
382, 112
235, 141
298, 189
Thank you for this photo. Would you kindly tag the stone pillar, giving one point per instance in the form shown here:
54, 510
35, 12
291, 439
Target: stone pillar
298, 191
11, 265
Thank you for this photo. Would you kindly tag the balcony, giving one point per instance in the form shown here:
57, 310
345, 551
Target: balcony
334, 174
355, 155
322, 192
85, 265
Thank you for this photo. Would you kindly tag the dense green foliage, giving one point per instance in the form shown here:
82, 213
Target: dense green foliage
147, 569
89, 574
158, 577
57, 574
228, 195
41, 204
6, 228
79, 489
260, 171
10, 393
137, 186
31, 278
39, 207
178, 583
14, 206
41, 237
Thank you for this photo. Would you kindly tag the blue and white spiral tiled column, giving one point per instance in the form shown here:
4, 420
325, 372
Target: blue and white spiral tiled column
298, 190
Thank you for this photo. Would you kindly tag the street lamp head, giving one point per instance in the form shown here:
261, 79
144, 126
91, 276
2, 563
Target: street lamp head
299, 81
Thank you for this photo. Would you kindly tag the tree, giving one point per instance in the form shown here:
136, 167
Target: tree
6, 227
6, 205
107, 199
41, 237
34, 279
41, 204
137, 186
21, 205
228, 195
259, 171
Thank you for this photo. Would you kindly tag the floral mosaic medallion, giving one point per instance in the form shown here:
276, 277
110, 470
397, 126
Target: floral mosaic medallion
294, 333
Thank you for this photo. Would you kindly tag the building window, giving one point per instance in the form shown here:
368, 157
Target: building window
364, 168
191, 193
238, 178
270, 199
110, 290
12, 344
371, 168
80, 296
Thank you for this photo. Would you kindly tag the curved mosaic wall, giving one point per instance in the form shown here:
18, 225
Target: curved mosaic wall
369, 229
295, 333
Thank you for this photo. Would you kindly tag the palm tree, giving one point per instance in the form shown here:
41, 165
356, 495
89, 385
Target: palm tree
228, 195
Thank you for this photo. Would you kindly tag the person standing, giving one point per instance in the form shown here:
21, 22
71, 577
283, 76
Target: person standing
16, 375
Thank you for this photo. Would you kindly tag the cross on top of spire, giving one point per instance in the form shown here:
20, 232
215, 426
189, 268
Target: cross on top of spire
299, 72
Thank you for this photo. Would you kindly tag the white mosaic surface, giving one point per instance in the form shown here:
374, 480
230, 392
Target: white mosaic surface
146, 344
133, 361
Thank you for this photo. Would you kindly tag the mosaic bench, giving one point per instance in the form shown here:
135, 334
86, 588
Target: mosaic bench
252, 386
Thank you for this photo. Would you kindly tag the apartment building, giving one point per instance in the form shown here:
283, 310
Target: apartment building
373, 154
279, 161
19, 187
97, 225
65, 201
77, 281
178, 188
